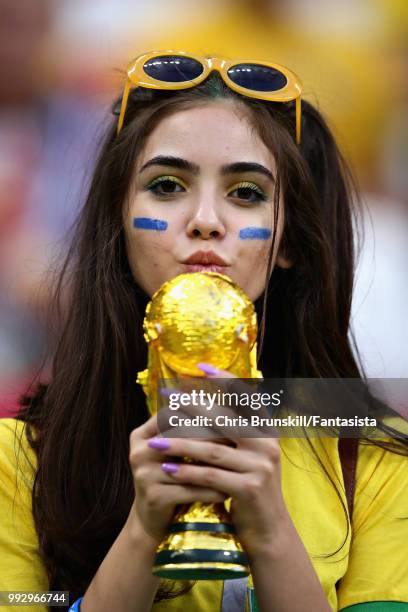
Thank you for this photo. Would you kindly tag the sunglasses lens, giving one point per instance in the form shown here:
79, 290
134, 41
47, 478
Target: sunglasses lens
257, 77
173, 68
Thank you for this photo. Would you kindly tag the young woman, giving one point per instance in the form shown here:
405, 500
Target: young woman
208, 159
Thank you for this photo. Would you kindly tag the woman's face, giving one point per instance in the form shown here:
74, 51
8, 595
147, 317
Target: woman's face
202, 199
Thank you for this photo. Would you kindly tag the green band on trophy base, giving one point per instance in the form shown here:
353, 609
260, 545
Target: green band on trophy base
213, 527
200, 564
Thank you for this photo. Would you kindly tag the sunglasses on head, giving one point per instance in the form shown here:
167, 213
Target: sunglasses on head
174, 70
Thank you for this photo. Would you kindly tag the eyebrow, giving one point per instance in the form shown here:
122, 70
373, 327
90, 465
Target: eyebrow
239, 167
183, 164
174, 162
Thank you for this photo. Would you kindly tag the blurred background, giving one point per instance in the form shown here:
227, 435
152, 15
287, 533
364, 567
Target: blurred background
61, 65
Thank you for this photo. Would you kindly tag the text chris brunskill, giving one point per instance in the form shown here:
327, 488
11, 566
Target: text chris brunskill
256, 421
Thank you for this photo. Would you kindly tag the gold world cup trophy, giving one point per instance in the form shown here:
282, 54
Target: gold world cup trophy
194, 318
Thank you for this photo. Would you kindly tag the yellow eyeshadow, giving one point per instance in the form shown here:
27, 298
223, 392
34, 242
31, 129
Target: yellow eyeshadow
166, 177
247, 185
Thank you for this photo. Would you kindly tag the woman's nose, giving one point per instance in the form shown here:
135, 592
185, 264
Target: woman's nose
205, 223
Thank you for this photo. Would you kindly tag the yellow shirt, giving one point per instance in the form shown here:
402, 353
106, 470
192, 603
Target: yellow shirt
372, 564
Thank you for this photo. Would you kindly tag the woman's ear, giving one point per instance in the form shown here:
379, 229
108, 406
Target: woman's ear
283, 259
284, 262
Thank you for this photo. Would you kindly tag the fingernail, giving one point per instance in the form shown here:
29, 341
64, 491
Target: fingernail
169, 468
207, 368
167, 392
159, 443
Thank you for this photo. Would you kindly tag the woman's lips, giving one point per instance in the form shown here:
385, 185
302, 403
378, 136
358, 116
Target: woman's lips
205, 261
206, 268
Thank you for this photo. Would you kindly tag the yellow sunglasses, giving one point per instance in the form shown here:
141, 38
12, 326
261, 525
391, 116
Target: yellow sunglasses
174, 70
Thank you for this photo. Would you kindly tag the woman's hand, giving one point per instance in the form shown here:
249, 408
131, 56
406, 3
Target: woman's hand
157, 491
248, 472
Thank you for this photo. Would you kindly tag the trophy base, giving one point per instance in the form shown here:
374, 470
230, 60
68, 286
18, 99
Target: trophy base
200, 564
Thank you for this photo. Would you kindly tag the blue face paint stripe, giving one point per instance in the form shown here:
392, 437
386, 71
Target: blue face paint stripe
150, 224
255, 233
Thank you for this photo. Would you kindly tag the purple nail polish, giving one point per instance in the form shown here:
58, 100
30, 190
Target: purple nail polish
169, 468
159, 443
167, 392
207, 368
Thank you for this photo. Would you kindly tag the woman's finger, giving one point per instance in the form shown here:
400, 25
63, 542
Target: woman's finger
169, 495
238, 485
147, 430
212, 371
207, 452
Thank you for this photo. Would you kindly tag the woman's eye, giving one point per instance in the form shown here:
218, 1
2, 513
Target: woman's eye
165, 185
248, 192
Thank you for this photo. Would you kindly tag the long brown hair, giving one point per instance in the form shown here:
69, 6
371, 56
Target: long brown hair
79, 423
